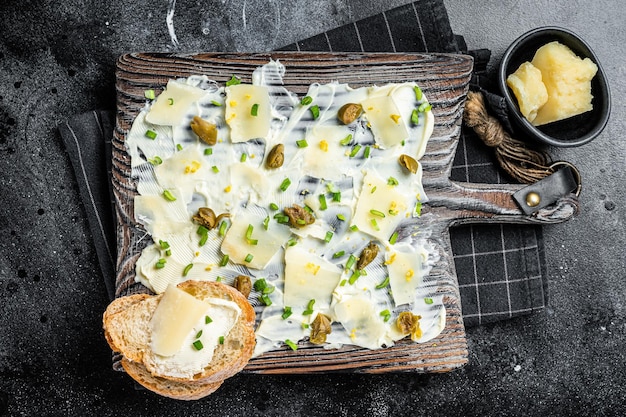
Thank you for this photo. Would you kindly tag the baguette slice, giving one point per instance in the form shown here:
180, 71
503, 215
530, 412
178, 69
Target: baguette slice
126, 324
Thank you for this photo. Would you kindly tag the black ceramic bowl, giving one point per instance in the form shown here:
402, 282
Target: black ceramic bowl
574, 131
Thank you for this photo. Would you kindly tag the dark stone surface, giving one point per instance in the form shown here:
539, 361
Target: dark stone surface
57, 59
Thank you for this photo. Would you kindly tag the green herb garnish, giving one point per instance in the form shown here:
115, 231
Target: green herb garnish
233, 81
383, 284
167, 194
306, 100
151, 134
187, 269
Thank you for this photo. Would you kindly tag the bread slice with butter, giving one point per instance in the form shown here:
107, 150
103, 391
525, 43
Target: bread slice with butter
185, 342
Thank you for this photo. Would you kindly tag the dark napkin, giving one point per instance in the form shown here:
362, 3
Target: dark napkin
500, 268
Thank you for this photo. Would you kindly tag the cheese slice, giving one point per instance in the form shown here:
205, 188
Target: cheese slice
172, 104
380, 208
175, 316
244, 125
308, 277
386, 122
404, 265
365, 326
269, 241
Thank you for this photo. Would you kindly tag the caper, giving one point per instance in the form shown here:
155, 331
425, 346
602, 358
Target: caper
298, 216
349, 112
320, 328
243, 284
276, 157
368, 254
408, 163
205, 217
408, 323
206, 131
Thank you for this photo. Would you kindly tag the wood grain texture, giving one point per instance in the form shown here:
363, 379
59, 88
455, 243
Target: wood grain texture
444, 78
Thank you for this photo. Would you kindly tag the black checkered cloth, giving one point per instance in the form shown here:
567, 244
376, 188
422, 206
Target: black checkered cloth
500, 268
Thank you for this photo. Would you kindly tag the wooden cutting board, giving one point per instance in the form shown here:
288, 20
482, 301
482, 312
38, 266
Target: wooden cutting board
444, 79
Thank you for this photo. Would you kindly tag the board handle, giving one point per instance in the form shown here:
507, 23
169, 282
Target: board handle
465, 203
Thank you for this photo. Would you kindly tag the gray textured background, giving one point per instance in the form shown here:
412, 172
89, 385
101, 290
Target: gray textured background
57, 59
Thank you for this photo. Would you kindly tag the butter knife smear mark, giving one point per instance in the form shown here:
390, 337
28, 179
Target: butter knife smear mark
325, 217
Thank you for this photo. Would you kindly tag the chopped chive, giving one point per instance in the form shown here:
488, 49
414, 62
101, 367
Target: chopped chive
338, 254
215, 169
373, 190
286, 312
163, 244
170, 101
273, 206
281, 218
392, 181
366, 152
249, 231
392, 212
202, 230
199, 334
418, 208
345, 141
160, 264
266, 300
306, 100
266, 222
341, 217
328, 237
218, 279
168, 252
222, 229
323, 205
354, 228
216, 103
394, 238
207, 320
292, 241
254, 110
377, 213
149, 94
337, 197
155, 161
221, 340
151, 134
309, 308
424, 107
383, 284
302, 143
203, 239
233, 81
415, 117
418, 93
268, 289
428, 300
305, 325
292, 345
208, 151
355, 150
386, 315
403, 142
285, 184
375, 225
224, 260
355, 275
249, 257
309, 209
351, 261
198, 345
301, 222
179, 147
167, 194
332, 188
243, 157
260, 284
315, 111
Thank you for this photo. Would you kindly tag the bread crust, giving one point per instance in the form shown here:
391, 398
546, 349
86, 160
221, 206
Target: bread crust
126, 324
